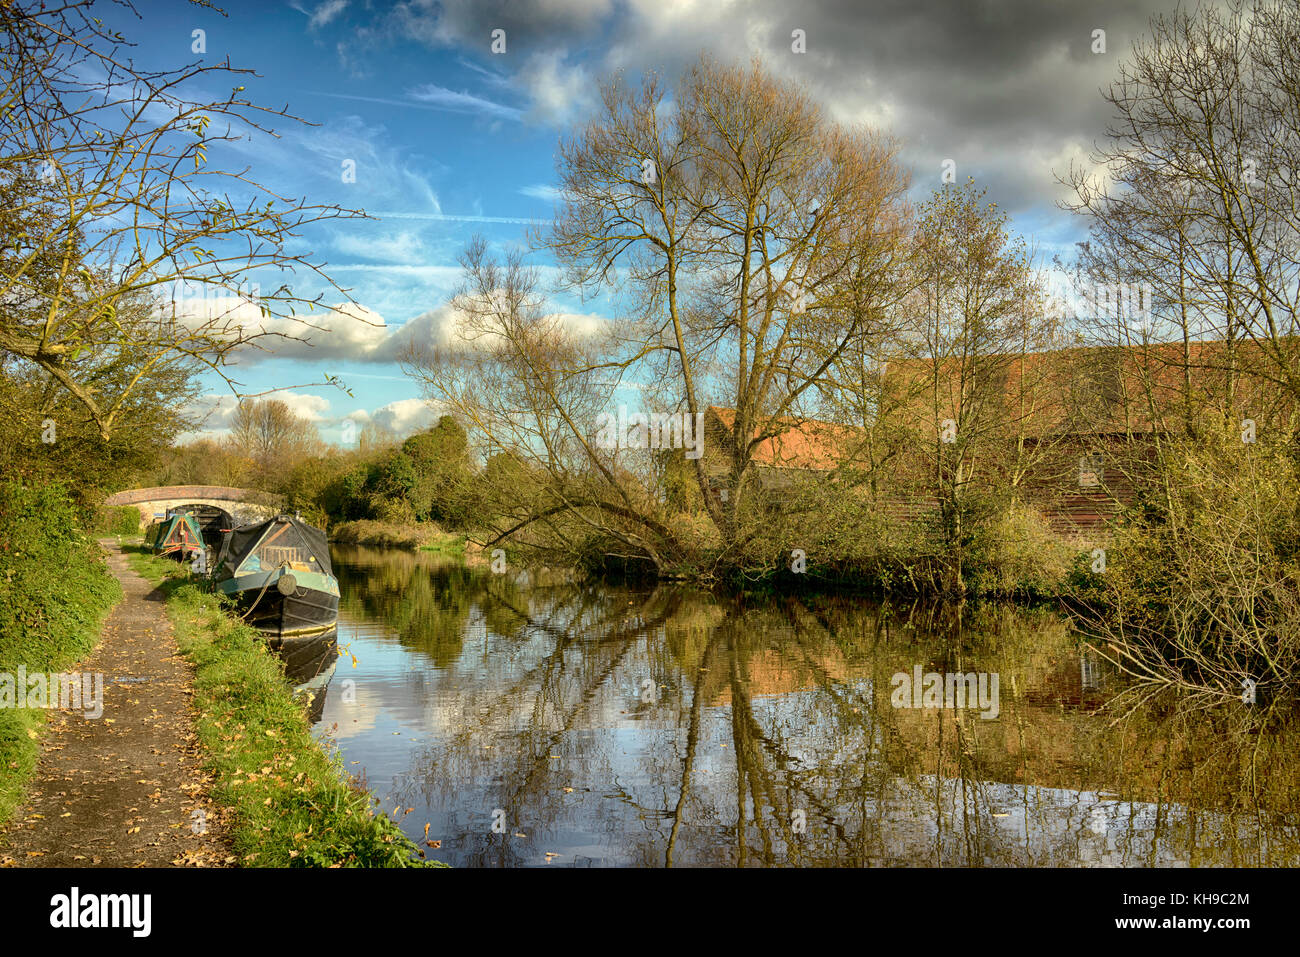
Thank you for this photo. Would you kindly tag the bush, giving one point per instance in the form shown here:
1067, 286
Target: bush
1018, 553
54, 593
117, 520
1202, 581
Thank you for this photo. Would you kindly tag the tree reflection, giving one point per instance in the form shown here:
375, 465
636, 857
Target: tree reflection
671, 728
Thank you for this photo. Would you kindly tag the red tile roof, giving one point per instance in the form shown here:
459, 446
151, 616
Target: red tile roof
801, 443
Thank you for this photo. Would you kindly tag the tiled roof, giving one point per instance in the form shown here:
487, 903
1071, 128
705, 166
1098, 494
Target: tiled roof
1088, 389
801, 444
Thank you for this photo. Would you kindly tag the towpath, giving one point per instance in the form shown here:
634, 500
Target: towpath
126, 789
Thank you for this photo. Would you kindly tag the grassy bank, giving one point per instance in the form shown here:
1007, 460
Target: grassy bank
55, 592
422, 537
291, 803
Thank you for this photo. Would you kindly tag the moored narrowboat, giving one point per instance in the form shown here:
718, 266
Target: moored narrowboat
279, 573
176, 536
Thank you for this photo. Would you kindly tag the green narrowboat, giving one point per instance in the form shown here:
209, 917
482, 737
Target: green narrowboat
176, 536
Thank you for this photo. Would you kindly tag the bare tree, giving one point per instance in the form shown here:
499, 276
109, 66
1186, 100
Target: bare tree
108, 193
267, 432
1195, 194
748, 241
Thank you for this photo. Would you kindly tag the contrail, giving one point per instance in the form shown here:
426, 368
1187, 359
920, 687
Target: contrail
464, 219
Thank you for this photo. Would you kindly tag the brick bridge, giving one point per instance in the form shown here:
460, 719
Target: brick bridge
243, 505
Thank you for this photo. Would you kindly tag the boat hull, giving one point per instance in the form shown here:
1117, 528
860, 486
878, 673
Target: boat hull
309, 607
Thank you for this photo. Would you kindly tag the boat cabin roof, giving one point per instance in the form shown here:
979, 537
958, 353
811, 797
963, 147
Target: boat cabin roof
276, 542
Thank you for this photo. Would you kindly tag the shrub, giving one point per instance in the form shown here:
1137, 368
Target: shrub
1018, 553
54, 592
117, 520
1202, 582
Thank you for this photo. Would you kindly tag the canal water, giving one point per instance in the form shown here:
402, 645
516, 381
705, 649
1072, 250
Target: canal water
551, 724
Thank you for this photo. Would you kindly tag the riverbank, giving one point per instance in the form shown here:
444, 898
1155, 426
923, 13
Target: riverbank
55, 594
289, 803
426, 538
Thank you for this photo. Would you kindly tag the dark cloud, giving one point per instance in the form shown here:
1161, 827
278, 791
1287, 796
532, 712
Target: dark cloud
1002, 88
468, 24
1008, 89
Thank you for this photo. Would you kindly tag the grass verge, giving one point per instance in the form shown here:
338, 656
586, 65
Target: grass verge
291, 803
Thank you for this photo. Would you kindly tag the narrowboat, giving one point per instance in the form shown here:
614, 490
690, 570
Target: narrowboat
279, 574
176, 536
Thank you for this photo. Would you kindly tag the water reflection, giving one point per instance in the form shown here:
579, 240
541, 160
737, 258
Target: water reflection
580, 725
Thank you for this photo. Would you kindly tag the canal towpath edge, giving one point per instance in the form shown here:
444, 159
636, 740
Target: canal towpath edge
125, 789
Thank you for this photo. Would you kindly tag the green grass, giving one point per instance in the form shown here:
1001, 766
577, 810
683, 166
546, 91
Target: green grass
453, 546
291, 803
55, 592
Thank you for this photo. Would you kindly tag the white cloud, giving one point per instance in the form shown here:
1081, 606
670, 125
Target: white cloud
542, 191
383, 177
445, 327
405, 248
304, 406
491, 76
326, 12
405, 416
214, 414
559, 91
344, 332
441, 217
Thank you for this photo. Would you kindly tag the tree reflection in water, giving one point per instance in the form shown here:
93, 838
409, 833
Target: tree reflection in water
670, 727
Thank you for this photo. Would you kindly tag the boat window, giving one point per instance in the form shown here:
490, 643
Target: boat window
285, 555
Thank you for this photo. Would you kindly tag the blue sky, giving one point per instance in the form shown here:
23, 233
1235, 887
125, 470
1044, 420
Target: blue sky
450, 139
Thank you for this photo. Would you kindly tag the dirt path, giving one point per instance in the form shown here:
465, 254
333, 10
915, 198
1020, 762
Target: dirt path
123, 790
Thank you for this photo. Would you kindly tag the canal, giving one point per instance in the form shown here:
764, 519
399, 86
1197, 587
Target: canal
546, 723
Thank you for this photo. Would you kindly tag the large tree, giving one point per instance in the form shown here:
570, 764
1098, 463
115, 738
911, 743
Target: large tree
972, 392
272, 437
744, 238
